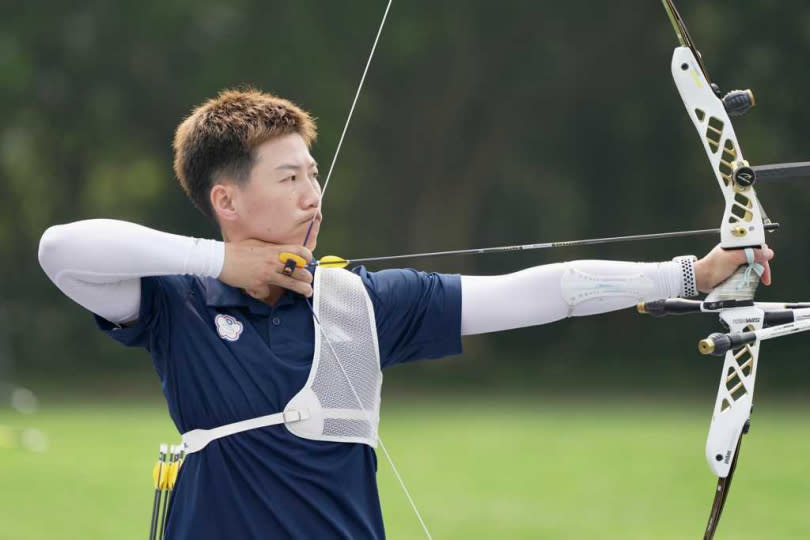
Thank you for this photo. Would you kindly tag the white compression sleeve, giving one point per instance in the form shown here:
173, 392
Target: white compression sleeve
99, 262
538, 295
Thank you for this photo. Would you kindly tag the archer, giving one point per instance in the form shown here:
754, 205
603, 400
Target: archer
235, 339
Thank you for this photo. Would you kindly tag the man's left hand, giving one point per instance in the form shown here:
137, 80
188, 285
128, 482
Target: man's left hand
719, 264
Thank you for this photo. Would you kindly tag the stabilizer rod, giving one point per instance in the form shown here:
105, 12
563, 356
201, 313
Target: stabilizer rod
779, 172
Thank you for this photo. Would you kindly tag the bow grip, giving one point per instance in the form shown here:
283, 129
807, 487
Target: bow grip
741, 285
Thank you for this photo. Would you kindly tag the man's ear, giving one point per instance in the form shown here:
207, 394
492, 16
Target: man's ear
222, 201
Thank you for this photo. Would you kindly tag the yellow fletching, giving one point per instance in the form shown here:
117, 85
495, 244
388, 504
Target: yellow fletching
164, 477
300, 262
156, 474
333, 261
174, 468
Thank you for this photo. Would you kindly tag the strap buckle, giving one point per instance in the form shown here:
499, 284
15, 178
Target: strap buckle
295, 415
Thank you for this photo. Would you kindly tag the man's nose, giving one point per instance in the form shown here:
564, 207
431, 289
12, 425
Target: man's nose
311, 196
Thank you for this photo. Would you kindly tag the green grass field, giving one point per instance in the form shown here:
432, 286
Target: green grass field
486, 470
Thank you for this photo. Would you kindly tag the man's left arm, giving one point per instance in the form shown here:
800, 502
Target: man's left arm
423, 315
418, 314
548, 293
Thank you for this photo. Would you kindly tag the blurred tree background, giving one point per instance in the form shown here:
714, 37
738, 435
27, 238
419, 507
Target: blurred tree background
480, 124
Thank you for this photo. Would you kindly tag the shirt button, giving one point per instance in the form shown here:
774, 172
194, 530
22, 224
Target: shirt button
276, 321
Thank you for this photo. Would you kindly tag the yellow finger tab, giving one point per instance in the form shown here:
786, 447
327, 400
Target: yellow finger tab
333, 261
300, 262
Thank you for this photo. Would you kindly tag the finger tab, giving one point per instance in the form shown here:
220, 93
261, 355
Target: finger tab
291, 261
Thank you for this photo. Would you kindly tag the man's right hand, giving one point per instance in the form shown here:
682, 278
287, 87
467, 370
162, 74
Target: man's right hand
255, 266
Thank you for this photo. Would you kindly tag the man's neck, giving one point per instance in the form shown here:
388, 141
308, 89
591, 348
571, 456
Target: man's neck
275, 294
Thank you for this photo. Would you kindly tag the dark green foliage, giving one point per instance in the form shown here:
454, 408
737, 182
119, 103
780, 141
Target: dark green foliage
481, 124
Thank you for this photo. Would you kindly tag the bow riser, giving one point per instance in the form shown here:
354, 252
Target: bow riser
732, 407
742, 219
741, 226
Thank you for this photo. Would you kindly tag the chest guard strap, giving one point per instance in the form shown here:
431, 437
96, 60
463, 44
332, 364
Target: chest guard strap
197, 439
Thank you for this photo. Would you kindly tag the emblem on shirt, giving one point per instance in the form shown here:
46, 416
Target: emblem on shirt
228, 327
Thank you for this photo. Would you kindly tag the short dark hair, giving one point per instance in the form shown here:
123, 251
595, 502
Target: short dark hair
218, 138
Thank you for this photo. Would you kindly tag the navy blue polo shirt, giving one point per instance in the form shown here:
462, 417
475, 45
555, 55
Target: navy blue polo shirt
223, 357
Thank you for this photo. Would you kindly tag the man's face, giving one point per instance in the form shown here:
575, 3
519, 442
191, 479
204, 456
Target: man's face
282, 194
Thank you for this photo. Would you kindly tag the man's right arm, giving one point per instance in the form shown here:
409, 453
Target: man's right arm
98, 263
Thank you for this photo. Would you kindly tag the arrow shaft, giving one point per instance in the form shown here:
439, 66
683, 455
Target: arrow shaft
549, 245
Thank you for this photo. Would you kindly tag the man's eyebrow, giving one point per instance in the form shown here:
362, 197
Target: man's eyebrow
294, 167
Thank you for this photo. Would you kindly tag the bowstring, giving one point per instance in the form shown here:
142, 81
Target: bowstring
371, 423
387, 455
348, 119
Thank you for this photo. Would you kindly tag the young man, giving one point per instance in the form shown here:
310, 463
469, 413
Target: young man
233, 338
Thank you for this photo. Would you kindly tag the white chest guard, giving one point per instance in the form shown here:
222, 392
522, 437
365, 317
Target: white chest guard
341, 398
346, 367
